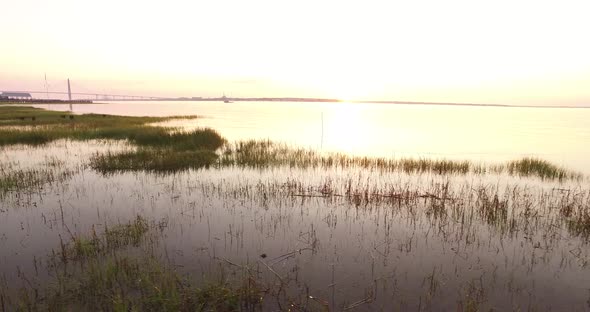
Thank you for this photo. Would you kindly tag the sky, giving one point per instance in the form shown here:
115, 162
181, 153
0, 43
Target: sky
503, 52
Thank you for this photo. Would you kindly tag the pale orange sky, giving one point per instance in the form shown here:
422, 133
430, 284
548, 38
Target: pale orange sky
507, 52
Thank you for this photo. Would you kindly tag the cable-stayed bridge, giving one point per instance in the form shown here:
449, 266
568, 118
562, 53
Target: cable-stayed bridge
85, 96
78, 92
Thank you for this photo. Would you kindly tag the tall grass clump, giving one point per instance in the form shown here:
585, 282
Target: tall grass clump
157, 160
207, 139
529, 166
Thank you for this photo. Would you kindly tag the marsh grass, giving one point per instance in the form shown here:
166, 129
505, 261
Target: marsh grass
139, 284
139, 135
260, 154
580, 225
127, 284
577, 218
48, 126
150, 159
27, 180
31, 116
541, 168
23, 115
197, 139
126, 234
113, 238
106, 277
159, 148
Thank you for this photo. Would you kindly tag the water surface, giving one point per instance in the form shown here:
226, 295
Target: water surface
384, 239
487, 134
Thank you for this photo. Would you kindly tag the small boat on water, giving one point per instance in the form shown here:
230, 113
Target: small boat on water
225, 99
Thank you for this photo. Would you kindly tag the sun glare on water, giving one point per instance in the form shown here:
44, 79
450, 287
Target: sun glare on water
345, 129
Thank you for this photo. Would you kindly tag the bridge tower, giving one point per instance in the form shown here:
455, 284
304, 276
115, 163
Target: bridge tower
69, 91
70, 95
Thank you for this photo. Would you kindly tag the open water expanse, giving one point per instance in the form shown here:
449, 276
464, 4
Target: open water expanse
340, 238
560, 135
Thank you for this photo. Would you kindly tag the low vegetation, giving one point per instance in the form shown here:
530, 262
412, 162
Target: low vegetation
29, 179
113, 238
538, 167
150, 159
159, 148
260, 154
31, 116
135, 284
108, 276
33, 126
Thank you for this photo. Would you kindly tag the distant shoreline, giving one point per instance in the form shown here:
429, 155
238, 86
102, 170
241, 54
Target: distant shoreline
320, 100
283, 99
42, 101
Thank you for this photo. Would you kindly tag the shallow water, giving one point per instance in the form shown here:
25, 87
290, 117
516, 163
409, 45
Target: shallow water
337, 235
481, 134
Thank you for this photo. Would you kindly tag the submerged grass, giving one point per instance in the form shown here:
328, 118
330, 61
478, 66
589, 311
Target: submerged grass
29, 179
113, 238
106, 277
132, 284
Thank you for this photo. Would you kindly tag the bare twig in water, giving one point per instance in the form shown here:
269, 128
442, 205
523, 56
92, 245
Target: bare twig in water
273, 271
287, 255
356, 304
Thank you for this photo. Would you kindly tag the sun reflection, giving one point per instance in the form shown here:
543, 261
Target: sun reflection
345, 129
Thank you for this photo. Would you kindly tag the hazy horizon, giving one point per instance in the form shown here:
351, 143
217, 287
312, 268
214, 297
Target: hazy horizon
525, 53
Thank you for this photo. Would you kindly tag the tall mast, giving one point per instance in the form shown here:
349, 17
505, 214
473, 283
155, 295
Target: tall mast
46, 87
70, 94
69, 91
47, 92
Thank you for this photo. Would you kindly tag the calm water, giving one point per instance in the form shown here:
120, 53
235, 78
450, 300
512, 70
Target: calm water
505, 243
342, 249
489, 134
